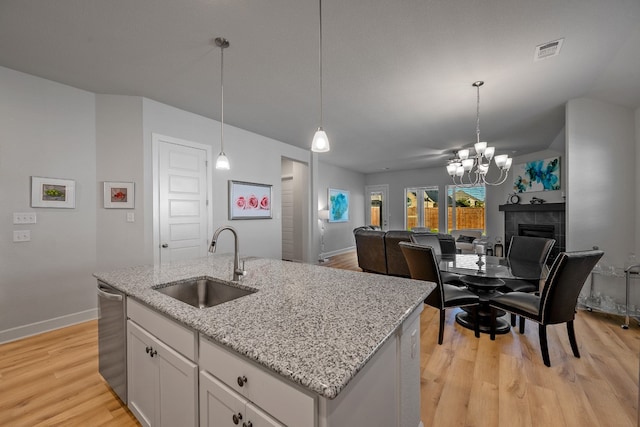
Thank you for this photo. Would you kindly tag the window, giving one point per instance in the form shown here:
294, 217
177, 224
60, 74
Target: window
376, 209
469, 206
421, 209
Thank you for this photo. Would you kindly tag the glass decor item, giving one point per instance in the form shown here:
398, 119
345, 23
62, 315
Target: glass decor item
498, 249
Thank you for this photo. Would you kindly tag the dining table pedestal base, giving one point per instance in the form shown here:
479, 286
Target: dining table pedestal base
467, 320
485, 288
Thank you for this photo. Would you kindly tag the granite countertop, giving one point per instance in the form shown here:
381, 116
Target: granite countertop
314, 325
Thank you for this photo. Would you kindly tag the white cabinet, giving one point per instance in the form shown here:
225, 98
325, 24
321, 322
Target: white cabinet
282, 400
220, 407
162, 383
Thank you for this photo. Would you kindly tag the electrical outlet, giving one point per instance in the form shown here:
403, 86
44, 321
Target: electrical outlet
24, 217
22, 235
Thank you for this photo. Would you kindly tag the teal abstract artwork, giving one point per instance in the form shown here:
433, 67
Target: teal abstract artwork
538, 175
338, 205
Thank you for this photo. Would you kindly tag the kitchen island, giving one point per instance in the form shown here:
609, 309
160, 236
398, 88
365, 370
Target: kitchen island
318, 329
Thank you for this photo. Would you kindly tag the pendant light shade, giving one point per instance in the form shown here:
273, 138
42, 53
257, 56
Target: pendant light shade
222, 162
320, 143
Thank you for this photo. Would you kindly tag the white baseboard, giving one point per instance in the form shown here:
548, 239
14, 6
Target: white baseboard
336, 252
36, 328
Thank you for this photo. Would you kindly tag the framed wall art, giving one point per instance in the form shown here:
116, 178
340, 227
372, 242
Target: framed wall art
119, 195
53, 193
248, 200
538, 175
338, 205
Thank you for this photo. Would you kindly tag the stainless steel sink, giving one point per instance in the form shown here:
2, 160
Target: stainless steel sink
202, 292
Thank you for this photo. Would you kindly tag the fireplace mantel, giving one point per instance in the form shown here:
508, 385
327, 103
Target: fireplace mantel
542, 207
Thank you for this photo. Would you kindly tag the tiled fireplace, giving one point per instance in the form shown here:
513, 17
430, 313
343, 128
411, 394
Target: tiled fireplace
543, 220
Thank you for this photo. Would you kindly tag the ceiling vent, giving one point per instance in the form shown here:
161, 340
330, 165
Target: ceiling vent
547, 50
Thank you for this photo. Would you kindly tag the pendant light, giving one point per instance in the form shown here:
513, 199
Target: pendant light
222, 162
320, 142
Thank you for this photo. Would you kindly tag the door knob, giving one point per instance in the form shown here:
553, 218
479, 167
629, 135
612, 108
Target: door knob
164, 245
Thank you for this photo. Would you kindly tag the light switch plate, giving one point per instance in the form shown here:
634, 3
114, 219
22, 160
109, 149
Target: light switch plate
22, 235
131, 217
24, 217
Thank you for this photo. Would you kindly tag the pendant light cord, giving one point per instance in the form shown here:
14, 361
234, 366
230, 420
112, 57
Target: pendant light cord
320, 50
222, 99
478, 115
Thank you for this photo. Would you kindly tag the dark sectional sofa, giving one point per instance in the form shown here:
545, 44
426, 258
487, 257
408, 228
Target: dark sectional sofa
379, 252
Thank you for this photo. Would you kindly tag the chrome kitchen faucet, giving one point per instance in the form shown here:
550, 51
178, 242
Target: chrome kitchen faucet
237, 271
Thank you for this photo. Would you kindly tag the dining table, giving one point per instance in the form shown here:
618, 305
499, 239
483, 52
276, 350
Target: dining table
484, 275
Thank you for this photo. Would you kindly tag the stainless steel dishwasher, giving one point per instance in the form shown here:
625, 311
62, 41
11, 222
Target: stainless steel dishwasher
112, 338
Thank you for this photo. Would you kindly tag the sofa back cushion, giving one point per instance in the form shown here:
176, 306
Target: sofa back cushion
370, 247
396, 263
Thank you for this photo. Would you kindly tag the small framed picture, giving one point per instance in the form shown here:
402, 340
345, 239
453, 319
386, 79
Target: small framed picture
248, 200
119, 195
338, 205
53, 193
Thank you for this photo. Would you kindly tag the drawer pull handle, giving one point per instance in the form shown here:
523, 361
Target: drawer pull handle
236, 418
247, 424
148, 349
242, 380
153, 353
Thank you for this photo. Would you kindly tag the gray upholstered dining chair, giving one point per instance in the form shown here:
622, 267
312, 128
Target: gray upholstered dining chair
557, 300
528, 250
427, 239
423, 265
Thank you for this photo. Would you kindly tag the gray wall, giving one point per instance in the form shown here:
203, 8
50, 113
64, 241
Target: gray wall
399, 180
338, 236
119, 155
253, 158
46, 129
496, 195
601, 201
52, 130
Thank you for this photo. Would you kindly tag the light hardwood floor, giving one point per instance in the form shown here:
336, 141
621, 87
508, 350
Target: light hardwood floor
52, 379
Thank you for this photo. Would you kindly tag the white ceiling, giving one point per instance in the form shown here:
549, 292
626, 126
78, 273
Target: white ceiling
397, 73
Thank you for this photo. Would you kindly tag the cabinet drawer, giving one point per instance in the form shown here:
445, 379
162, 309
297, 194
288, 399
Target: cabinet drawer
220, 406
179, 337
289, 404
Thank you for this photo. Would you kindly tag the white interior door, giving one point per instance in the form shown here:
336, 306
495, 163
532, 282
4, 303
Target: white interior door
377, 211
287, 219
182, 200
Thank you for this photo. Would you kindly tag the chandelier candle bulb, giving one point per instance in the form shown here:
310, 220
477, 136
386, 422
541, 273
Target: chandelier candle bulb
488, 152
501, 160
480, 147
467, 164
507, 165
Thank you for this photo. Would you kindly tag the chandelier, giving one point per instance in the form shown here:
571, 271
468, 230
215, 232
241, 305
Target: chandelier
475, 165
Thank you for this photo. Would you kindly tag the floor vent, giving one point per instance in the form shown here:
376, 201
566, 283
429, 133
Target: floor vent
547, 50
